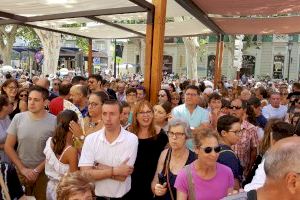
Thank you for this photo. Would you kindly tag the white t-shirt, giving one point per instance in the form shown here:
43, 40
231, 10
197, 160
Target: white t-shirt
269, 112
97, 149
259, 178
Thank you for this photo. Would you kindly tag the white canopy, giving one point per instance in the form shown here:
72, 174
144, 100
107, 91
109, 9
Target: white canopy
98, 16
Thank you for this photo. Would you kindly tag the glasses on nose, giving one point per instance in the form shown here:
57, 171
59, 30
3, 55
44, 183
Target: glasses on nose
175, 98
235, 107
23, 95
208, 150
145, 113
236, 132
191, 94
176, 135
12, 88
93, 105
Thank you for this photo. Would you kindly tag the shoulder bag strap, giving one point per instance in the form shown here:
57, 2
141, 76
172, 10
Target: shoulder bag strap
228, 150
188, 170
167, 168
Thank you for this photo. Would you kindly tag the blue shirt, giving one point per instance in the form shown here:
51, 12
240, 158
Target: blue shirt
195, 119
84, 112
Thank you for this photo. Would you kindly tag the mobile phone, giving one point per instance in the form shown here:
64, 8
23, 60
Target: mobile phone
162, 179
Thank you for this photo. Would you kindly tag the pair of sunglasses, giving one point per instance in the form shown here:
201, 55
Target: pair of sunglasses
208, 150
235, 107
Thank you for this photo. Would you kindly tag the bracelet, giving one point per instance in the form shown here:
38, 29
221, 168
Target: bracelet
36, 171
112, 172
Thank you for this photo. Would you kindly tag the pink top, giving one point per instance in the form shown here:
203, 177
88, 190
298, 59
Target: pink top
213, 189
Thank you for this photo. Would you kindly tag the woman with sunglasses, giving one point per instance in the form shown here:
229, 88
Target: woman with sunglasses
152, 141
23, 99
172, 160
205, 178
175, 99
229, 129
10, 89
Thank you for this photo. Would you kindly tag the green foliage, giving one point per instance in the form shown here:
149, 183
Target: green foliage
29, 35
83, 44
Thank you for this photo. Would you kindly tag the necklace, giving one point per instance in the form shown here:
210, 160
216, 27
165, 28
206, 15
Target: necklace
94, 124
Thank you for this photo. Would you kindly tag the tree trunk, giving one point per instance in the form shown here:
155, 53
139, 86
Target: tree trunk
51, 42
191, 51
7, 39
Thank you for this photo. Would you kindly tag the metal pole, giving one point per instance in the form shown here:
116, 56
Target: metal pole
115, 59
289, 65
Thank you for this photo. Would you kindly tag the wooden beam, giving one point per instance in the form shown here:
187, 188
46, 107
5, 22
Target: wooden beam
199, 14
89, 13
144, 4
96, 19
219, 60
53, 30
157, 49
13, 16
148, 53
90, 57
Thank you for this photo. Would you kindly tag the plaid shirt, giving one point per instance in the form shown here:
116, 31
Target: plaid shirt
248, 140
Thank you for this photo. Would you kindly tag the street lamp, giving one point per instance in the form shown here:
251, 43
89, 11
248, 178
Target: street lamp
290, 45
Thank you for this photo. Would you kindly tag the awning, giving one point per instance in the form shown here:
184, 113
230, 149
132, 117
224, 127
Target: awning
103, 19
246, 16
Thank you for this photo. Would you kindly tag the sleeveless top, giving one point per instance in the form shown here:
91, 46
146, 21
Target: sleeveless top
172, 177
54, 168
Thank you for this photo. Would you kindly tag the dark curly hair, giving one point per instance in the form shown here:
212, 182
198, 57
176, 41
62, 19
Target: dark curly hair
62, 128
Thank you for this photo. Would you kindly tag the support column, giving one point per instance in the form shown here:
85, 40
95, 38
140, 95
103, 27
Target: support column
90, 57
154, 50
219, 60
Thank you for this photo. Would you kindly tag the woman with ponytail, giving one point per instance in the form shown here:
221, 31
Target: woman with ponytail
61, 157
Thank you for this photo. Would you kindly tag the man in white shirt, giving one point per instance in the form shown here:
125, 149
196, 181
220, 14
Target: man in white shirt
113, 150
274, 109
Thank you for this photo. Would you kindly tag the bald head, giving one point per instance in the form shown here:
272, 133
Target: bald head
283, 157
43, 82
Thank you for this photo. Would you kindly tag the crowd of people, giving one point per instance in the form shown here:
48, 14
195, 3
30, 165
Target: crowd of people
82, 138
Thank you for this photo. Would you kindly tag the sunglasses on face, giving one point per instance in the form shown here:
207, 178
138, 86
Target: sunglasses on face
208, 150
235, 107
23, 95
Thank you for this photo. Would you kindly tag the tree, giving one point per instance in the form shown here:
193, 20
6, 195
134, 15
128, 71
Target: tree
7, 39
51, 42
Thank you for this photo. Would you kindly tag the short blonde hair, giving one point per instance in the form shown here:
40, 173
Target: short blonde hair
73, 183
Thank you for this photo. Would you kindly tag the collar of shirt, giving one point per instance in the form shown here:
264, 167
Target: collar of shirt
119, 139
246, 125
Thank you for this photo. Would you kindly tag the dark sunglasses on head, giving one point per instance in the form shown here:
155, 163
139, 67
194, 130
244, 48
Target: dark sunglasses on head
236, 107
208, 150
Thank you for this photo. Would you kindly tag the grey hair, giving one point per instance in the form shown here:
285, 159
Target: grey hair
180, 122
280, 161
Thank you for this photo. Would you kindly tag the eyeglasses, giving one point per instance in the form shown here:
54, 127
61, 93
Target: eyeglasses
12, 88
93, 105
236, 132
145, 113
175, 98
23, 95
208, 150
235, 107
176, 135
191, 94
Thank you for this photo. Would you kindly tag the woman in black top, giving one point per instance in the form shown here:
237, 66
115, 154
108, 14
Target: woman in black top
151, 143
229, 129
172, 160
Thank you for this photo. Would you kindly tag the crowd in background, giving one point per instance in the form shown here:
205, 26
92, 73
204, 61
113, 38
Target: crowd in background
77, 137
